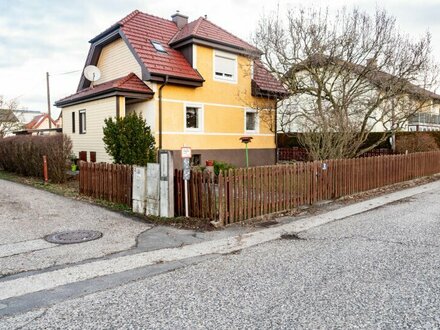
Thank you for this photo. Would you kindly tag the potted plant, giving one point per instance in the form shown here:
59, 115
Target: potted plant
73, 163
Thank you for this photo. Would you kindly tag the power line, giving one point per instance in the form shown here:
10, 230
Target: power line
64, 73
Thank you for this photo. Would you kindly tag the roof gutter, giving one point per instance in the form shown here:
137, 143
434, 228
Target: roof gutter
160, 111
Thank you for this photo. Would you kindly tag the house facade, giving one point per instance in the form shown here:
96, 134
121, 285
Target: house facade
401, 104
194, 83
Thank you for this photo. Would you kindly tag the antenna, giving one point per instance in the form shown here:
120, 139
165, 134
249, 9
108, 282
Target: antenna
92, 73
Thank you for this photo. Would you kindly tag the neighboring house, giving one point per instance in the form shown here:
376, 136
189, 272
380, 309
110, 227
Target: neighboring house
422, 105
8, 122
39, 125
196, 85
41, 121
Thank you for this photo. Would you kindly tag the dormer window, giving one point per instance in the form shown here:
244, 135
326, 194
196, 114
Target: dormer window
158, 46
225, 67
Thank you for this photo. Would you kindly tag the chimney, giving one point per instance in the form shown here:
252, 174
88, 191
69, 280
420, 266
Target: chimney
372, 63
179, 19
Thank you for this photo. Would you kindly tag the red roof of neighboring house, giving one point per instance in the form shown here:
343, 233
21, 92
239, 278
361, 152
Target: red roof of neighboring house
204, 29
38, 120
140, 29
129, 83
265, 81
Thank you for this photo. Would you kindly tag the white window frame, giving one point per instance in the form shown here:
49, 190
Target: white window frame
201, 117
82, 129
257, 121
232, 80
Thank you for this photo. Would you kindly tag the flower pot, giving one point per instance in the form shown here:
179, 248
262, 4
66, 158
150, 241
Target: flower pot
209, 163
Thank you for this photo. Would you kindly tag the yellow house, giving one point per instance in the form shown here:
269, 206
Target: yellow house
195, 84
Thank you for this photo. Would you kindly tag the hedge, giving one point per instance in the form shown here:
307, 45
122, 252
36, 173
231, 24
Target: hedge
291, 140
23, 154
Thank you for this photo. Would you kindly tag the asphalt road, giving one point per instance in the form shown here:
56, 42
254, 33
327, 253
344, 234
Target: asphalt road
379, 269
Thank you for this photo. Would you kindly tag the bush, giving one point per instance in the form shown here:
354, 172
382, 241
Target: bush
221, 166
416, 142
129, 140
23, 155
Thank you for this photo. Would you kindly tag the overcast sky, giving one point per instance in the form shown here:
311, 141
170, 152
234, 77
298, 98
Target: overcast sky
53, 35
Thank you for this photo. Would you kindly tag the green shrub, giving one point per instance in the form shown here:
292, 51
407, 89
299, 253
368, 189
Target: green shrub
221, 167
23, 154
129, 140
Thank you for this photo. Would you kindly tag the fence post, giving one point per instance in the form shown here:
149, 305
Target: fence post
46, 178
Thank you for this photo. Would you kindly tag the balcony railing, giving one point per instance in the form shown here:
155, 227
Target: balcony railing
424, 118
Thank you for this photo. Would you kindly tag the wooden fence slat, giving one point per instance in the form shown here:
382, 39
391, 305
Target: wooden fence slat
110, 182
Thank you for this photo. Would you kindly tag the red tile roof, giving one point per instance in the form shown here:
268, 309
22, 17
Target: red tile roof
129, 83
265, 81
204, 29
140, 29
38, 120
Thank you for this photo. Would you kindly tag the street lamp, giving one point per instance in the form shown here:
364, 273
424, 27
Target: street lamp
246, 140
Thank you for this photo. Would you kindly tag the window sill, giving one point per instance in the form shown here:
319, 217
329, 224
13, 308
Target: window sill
193, 130
228, 81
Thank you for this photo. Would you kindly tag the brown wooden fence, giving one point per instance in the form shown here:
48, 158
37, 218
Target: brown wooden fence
111, 182
242, 194
202, 195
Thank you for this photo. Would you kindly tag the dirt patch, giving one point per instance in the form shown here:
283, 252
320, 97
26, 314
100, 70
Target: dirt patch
291, 237
402, 201
267, 224
179, 222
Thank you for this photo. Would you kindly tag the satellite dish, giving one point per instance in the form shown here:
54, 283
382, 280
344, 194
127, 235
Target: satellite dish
92, 73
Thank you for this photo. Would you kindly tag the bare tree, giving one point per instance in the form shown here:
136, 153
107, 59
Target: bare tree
349, 74
9, 122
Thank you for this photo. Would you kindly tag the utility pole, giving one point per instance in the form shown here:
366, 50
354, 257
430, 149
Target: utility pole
48, 100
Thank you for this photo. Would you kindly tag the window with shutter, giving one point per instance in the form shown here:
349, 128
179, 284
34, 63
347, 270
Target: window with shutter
225, 67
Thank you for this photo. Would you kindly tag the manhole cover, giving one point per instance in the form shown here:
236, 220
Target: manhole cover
73, 236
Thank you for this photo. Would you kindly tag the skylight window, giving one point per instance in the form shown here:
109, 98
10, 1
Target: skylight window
158, 46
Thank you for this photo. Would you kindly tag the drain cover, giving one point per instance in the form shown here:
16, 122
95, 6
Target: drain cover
73, 236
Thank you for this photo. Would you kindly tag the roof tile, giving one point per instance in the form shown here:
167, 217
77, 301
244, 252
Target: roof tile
202, 28
265, 81
140, 29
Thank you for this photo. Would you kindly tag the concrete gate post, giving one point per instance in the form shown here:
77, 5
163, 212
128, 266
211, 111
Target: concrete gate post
139, 189
166, 183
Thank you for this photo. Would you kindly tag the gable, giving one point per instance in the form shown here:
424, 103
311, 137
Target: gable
115, 61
